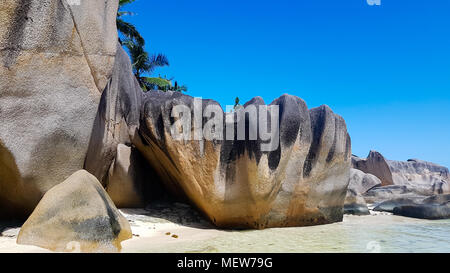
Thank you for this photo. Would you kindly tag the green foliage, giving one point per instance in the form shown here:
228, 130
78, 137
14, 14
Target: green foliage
142, 61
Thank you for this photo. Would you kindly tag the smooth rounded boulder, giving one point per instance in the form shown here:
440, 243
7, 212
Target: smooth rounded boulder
389, 205
425, 211
76, 215
362, 182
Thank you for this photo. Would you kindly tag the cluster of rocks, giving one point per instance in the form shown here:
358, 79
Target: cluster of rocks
413, 188
79, 138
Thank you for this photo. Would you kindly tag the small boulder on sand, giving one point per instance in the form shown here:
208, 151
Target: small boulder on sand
76, 215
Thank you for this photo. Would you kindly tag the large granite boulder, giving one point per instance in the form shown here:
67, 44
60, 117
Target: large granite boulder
362, 182
378, 195
359, 184
426, 177
423, 177
76, 215
303, 181
117, 119
55, 60
355, 203
389, 205
233, 182
374, 164
432, 208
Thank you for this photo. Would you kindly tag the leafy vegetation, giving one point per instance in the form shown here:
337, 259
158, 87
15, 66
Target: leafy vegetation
143, 63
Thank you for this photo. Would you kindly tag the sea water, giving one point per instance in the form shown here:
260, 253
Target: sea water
374, 233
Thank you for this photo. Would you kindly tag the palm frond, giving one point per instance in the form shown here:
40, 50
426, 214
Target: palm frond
124, 13
125, 2
129, 31
158, 60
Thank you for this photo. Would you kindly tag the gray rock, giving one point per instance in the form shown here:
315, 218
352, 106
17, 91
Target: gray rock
117, 119
125, 179
434, 207
237, 185
355, 204
389, 205
381, 194
425, 211
76, 215
424, 177
362, 182
427, 177
55, 60
374, 164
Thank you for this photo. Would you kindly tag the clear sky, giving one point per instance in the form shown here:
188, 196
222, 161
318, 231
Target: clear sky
385, 69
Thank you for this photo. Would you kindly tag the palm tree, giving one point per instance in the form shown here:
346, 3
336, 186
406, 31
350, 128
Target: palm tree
142, 62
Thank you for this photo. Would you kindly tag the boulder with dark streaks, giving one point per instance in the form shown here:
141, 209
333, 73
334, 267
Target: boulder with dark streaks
236, 183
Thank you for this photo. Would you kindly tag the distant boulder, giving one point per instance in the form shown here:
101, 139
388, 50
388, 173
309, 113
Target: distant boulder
389, 205
355, 204
381, 194
427, 177
418, 176
425, 211
374, 164
361, 182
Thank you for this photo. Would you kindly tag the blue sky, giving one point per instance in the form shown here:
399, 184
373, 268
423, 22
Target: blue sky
385, 69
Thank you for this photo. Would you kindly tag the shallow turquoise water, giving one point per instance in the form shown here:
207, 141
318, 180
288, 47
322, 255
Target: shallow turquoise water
380, 233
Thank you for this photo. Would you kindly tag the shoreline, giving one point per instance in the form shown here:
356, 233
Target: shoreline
154, 234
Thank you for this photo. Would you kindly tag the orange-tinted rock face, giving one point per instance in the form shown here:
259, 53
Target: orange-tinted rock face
236, 184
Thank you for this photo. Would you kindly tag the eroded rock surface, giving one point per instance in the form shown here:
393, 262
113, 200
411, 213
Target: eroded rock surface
423, 177
235, 184
426, 177
76, 215
55, 59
